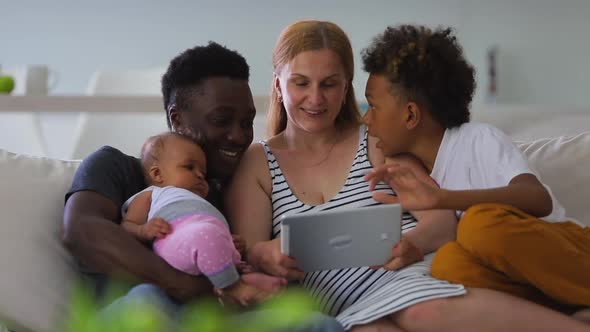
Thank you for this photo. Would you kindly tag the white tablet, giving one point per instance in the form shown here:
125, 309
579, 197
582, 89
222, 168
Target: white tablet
338, 239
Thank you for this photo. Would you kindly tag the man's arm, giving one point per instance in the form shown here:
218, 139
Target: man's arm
91, 234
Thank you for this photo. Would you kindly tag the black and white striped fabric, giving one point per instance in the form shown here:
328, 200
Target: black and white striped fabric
358, 295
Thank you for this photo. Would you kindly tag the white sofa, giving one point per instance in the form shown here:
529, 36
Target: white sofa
36, 272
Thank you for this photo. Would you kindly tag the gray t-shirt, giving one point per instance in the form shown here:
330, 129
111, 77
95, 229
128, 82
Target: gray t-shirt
110, 173
114, 175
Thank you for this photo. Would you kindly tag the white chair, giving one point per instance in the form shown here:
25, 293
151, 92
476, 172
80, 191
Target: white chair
125, 131
261, 104
126, 82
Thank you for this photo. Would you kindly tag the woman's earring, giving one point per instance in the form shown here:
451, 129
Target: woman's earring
280, 97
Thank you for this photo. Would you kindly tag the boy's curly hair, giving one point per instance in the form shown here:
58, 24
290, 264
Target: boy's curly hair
429, 67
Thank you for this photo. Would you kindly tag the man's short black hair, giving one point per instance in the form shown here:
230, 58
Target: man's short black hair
191, 67
429, 67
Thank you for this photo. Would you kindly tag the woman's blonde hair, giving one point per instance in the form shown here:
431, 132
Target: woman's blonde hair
304, 36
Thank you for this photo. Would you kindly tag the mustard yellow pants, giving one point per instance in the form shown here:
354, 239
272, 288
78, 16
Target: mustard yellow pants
502, 248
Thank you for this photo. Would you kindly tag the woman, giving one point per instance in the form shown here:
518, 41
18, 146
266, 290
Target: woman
316, 129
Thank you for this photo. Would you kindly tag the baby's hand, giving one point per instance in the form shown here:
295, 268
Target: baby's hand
155, 228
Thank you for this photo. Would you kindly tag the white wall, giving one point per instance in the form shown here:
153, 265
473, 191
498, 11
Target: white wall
543, 43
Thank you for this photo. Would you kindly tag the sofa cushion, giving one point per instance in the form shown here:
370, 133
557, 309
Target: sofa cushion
36, 271
563, 163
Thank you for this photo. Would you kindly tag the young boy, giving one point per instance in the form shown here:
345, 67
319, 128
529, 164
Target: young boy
189, 232
512, 235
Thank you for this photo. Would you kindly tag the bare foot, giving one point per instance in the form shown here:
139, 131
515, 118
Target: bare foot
264, 281
583, 315
245, 295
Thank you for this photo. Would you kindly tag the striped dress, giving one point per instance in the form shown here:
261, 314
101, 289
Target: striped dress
358, 295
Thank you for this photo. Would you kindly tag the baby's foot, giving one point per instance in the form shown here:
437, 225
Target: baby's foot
263, 281
244, 267
245, 295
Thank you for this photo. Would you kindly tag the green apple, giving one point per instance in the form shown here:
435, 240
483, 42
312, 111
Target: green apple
6, 84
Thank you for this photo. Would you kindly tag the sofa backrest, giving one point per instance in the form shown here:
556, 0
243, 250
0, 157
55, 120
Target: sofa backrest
563, 163
531, 122
36, 272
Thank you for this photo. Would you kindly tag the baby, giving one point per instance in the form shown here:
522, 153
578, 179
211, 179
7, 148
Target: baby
189, 232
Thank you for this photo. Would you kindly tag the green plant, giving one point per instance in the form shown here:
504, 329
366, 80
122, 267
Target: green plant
292, 307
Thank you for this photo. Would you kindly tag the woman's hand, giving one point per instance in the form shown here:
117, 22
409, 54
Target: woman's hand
404, 253
414, 192
267, 257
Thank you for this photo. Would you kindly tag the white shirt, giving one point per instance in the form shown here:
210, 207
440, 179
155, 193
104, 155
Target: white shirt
481, 156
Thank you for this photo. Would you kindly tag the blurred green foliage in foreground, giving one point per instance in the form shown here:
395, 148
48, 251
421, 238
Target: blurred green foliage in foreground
290, 308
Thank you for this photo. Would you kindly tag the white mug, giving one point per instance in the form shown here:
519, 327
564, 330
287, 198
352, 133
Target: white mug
32, 80
37, 81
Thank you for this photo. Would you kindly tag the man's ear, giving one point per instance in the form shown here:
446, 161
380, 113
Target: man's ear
175, 118
413, 115
155, 174
176, 121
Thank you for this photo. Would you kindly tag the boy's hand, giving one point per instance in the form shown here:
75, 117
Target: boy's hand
403, 254
155, 228
413, 192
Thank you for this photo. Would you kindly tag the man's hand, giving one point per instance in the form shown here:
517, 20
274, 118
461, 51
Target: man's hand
184, 287
403, 254
155, 228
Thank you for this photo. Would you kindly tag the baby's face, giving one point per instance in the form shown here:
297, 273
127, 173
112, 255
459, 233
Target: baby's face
183, 164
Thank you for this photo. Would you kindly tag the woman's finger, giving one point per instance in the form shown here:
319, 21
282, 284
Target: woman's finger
293, 271
288, 262
394, 264
295, 274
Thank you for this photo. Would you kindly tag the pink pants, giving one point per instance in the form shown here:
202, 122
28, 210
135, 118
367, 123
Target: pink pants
198, 244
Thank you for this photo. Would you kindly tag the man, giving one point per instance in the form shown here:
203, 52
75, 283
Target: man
207, 98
